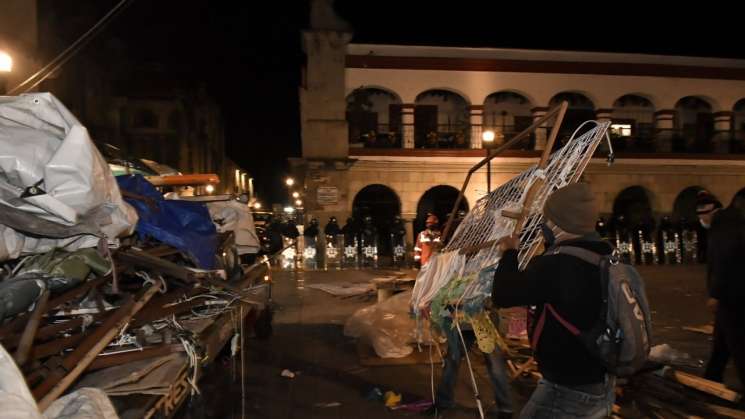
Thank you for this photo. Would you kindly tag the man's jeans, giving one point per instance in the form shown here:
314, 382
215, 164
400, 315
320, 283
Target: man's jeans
552, 401
495, 366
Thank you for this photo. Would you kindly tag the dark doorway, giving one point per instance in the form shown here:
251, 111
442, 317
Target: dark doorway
438, 201
382, 204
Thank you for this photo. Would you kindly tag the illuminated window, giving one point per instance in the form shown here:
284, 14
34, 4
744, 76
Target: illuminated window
623, 130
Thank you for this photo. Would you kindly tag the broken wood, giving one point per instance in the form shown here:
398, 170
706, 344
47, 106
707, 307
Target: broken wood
702, 384
143, 259
214, 338
27, 338
221, 284
105, 361
162, 312
706, 329
524, 368
15, 325
511, 214
725, 411
60, 379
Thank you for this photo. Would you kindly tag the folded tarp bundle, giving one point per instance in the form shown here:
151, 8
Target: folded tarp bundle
236, 217
56, 190
184, 225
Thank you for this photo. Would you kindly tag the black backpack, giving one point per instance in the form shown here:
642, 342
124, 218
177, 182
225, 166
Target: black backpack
621, 337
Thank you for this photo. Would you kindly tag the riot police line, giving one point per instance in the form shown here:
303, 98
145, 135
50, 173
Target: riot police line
644, 243
350, 247
356, 245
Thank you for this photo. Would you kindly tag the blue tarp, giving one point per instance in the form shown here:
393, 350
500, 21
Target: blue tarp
184, 225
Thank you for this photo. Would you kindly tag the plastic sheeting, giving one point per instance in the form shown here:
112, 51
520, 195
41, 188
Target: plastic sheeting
51, 170
236, 217
184, 225
18, 403
388, 326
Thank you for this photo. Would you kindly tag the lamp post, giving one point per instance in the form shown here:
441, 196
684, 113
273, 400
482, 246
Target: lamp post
488, 138
6, 66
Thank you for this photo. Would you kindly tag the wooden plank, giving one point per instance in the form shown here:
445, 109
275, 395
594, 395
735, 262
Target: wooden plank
526, 367
214, 337
702, 384
56, 346
17, 324
142, 259
706, 329
725, 411
45, 333
79, 360
159, 313
191, 179
106, 361
27, 338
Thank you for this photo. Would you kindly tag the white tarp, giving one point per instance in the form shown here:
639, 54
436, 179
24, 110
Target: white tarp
18, 403
50, 169
389, 327
236, 217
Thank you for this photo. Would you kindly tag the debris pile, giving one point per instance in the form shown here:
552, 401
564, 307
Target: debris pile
104, 283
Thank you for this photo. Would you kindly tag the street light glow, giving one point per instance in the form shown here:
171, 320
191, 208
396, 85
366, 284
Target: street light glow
298, 202
210, 189
257, 205
6, 63
290, 181
296, 195
487, 136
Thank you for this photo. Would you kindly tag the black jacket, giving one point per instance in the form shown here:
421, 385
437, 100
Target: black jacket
332, 229
726, 257
572, 287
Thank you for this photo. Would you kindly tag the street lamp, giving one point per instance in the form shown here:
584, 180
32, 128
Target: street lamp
290, 181
296, 195
298, 202
257, 205
488, 139
209, 188
6, 66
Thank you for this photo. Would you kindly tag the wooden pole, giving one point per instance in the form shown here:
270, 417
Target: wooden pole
27, 338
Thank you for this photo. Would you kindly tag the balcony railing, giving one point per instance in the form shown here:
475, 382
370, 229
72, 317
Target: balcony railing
448, 137
384, 136
504, 133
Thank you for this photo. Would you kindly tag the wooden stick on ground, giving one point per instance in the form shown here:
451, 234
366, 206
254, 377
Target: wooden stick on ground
525, 367
702, 384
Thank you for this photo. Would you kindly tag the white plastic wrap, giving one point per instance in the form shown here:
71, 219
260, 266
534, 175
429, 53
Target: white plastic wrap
18, 403
50, 168
236, 217
388, 327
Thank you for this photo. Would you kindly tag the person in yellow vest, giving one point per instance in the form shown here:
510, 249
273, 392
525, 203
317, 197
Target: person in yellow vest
427, 240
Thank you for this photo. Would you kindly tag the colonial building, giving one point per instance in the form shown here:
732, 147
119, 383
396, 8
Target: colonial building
390, 129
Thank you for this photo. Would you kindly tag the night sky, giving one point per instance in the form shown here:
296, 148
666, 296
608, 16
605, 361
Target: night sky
249, 57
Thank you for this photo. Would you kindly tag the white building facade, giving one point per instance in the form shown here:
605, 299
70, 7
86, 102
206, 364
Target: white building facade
390, 124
